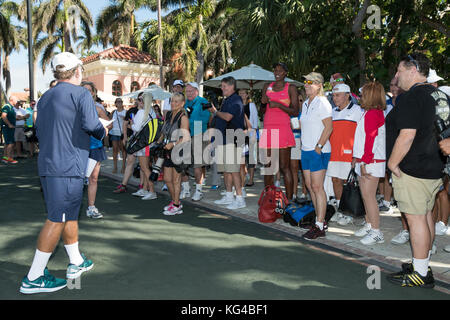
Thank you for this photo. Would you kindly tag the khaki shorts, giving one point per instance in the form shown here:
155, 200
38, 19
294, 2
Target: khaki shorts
414, 195
19, 134
229, 158
197, 158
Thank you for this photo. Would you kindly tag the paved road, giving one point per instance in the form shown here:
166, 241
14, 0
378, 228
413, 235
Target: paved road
141, 254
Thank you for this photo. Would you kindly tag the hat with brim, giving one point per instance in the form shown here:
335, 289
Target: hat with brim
65, 61
341, 87
193, 84
315, 77
178, 83
433, 77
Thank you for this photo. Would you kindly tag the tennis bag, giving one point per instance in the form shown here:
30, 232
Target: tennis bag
149, 133
304, 215
272, 204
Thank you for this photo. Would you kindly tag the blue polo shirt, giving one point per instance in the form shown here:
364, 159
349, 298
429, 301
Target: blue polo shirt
233, 105
66, 119
198, 114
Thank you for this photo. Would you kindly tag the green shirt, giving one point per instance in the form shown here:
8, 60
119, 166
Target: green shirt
10, 114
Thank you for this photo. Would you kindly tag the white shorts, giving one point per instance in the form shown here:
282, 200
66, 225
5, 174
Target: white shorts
296, 152
374, 169
339, 169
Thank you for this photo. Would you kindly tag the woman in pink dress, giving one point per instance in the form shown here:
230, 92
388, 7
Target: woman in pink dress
282, 103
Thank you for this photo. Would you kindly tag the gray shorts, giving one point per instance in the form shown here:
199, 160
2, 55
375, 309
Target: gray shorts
19, 134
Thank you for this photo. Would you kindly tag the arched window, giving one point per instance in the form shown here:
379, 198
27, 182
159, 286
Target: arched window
116, 88
135, 86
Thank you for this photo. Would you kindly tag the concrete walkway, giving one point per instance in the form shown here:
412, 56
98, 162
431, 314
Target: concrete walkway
387, 256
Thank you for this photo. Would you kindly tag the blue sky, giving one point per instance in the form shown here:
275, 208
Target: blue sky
19, 60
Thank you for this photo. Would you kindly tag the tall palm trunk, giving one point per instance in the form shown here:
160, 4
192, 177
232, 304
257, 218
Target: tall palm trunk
7, 74
160, 49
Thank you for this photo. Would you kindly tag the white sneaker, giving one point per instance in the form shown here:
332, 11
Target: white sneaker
139, 193
277, 183
441, 229
171, 211
447, 248
93, 213
198, 195
364, 230
345, 220
238, 204
150, 196
244, 193
225, 200
185, 193
372, 237
224, 192
335, 218
401, 238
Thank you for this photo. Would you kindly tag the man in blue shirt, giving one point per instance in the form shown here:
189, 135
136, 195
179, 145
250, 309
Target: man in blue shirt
228, 121
66, 118
198, 124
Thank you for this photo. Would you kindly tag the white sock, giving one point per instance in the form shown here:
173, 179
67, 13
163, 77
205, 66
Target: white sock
421, 266
337, 203
319, 224
74, 254
386, 203
185, 185
39, 263
198, 187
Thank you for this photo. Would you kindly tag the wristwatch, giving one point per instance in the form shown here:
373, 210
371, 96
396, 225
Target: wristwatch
320, 146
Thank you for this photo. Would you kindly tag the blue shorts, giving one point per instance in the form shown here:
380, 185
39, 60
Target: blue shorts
63, 197
98, 154
115, 138
315, 162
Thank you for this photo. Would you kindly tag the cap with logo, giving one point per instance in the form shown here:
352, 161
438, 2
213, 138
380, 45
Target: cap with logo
314, 76
178, 83
67, 60
341, 87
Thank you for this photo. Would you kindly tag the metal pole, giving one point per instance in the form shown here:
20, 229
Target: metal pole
30, 50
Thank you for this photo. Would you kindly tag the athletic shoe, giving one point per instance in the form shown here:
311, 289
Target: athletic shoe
173, 210
93, 213
345, 220
164, 188
150, 196
335, 218
45, 283
413, 279
406, 268
225, 200
401, 238
385, 209
74, 271
5, 160
140, 193
11, 161
314, 232
364, 230
198, 195
185, 193
441, 229
168, 206
238, 204
120, 189
224, 192
372, 237
447, 248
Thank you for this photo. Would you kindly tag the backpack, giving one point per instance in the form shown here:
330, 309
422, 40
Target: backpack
304, 215
272, 203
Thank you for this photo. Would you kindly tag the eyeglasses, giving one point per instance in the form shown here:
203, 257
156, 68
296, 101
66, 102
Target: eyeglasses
411, 59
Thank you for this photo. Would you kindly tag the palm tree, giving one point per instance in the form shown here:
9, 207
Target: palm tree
11, 37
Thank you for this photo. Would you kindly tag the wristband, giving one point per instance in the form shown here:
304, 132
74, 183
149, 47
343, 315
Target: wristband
320, 146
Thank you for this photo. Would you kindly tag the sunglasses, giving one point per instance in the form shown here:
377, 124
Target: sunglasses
308, 82
339, 80
411, 59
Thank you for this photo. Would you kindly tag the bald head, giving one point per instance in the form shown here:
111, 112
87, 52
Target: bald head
13, 100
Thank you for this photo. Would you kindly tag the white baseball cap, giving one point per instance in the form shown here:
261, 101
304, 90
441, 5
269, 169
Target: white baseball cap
341, 87
178, 83
193, 84
66, 59
433, 77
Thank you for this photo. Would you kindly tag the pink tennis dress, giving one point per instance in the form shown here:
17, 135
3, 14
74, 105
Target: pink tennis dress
277, 132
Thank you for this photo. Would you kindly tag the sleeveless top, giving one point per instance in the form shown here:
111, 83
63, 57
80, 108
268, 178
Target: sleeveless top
276, 116
169, 127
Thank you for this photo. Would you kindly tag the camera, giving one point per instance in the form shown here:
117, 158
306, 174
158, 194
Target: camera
158, 151
206, 105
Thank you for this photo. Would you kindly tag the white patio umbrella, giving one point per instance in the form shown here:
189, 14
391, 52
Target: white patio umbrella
248, 77
157, 92
109, 98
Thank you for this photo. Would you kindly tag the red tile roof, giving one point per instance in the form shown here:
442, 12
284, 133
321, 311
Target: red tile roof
121, 53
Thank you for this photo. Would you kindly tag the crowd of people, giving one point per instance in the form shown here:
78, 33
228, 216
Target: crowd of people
389, 139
